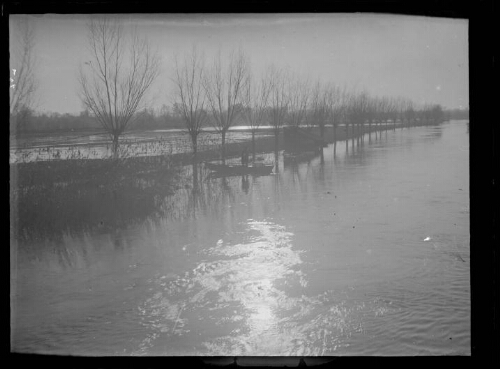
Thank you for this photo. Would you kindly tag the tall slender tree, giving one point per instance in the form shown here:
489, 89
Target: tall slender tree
190, 98
278, 99
318, 107
224, 86
335, 100
23, 82
255, 100
114, 81
298, 96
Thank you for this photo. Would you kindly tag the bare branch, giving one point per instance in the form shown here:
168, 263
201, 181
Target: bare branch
112, 85
255, 101
278, 96
298, 92
224, 86
24, 85
190, 96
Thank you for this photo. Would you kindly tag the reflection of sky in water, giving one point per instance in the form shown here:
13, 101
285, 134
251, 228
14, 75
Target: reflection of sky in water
249, 298
237, 286
250, 278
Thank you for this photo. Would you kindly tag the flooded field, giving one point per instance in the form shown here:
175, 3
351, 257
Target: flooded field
81, 145
361, 252
98, 145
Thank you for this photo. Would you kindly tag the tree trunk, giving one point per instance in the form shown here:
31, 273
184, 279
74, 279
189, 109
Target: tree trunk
253, 146
334, 139
194, 141
115, 145
223, 148
355, 136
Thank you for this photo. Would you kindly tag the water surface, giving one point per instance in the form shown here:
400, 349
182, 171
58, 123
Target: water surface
365, 252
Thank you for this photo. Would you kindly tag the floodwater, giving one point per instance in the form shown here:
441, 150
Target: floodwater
365, 252
97, 145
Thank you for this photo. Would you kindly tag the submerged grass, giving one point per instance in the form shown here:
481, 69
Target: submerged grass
48, 198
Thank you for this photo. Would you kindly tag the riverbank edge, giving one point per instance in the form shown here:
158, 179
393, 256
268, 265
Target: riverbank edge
32, 173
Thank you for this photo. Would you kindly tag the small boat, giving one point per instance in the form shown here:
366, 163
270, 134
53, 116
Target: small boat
236, 170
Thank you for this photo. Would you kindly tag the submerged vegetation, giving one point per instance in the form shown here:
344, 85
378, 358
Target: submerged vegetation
64, 195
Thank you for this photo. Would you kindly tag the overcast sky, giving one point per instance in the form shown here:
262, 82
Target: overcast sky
422, 58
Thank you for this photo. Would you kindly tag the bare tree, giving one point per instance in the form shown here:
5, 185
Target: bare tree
278, 100
224, 89
431, 113
190, 94
426, 113
437, 113
356, 113
113, 83
255, 99
382, 111
409, 111
23, 83
335, 101
348, 112
371, 113
361, 111
318, 107
298, 94
393, 111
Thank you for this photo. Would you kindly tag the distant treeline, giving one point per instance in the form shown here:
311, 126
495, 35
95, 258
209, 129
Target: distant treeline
146, 119
456, 114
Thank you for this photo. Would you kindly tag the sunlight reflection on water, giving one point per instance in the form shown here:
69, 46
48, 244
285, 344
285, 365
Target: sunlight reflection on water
245, 276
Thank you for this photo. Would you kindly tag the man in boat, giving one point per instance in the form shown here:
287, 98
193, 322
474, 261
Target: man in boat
244, 157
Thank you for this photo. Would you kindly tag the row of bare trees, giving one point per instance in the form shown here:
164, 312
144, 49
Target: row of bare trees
114, 82
221, 94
